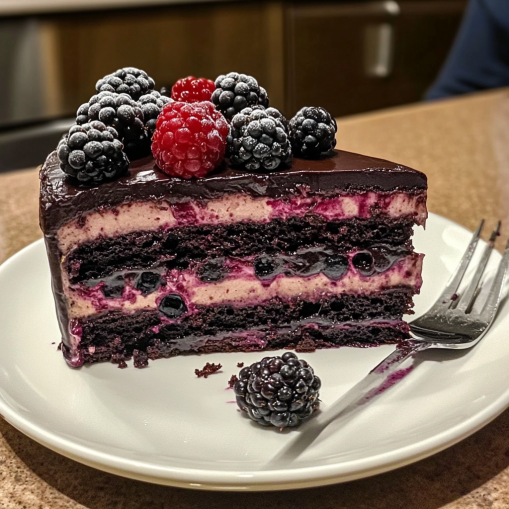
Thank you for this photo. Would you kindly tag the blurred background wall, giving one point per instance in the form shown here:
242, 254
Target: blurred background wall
347, 56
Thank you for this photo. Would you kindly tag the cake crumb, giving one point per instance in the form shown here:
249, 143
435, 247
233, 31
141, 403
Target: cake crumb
208, 369
306, 345
240, 364
140, 359
232, 380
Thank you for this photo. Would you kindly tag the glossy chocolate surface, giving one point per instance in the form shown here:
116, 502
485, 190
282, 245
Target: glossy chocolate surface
342, 171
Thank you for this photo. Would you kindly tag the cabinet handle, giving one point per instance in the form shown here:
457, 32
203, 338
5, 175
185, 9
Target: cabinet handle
378, 50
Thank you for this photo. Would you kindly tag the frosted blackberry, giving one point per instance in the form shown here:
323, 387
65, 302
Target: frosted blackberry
235, 91
92, 153
312, 132
151, 105
128, 80
258, 140
122, 113
278, 391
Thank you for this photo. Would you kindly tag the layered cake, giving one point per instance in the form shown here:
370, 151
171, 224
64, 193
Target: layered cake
207, 222
316, 255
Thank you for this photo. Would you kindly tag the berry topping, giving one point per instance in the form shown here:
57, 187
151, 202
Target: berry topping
258, 140
128, 80
212, 270
192, 90
234, 92
190, 139
278, 391
148, 282
122, 113
312, 132
151, 105
92, 153
172, 306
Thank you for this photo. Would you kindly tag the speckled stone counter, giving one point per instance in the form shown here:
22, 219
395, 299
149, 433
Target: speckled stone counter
463, 147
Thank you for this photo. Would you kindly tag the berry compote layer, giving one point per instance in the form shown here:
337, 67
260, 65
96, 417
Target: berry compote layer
316, 255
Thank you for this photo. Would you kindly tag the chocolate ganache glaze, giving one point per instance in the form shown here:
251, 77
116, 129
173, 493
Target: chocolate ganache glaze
341, 171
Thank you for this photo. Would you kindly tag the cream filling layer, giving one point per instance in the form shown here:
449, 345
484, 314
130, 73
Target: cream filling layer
242, 289
152, 215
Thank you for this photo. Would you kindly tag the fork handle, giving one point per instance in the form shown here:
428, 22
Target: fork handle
382, 377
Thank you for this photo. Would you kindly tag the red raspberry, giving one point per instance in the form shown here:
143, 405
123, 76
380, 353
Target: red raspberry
192, 90
190, 139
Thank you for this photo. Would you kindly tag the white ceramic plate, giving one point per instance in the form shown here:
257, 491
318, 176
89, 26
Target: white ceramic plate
164, 425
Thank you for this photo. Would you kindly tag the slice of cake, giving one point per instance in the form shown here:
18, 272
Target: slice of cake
316, 255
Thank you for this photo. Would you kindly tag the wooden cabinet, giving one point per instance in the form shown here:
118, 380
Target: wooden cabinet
348, 56
359, 56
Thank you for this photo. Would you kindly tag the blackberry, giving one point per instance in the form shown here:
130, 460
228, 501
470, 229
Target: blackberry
278, 391
235, 91
312, 132
151, 105
92, 153
122, 113
128, 80
258, 140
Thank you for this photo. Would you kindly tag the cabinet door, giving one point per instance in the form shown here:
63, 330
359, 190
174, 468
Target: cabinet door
356, 57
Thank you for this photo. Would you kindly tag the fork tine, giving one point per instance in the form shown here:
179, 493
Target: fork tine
468, 298
492, 302
454, 282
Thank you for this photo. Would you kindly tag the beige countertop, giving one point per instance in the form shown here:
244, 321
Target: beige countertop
463, 147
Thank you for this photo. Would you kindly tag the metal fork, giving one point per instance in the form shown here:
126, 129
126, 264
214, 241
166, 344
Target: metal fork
451, 323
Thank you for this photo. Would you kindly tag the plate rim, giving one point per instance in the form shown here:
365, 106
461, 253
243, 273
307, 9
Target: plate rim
259, 480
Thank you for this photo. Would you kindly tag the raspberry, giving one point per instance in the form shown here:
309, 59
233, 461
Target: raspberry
234, 92
190, 139
92, 154
192, 90
312, 132
128, 80
278, 391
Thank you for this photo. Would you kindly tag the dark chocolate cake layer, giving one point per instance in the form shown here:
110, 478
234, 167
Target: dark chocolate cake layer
138, 250
302, 339
346, 319
61, 201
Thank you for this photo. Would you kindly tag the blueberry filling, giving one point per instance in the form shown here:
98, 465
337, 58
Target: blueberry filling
172, 306
148, 282
311, 261
308, 263
113, 287
335, 266
212, 270
363, 262
267, 267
